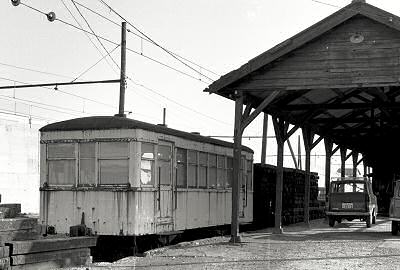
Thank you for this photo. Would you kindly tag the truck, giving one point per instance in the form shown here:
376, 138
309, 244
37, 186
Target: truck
351, 198
394, 209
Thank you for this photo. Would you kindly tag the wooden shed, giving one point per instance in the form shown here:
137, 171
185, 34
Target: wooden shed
338, 79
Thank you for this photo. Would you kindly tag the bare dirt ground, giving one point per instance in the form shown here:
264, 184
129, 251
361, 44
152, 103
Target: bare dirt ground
349, 245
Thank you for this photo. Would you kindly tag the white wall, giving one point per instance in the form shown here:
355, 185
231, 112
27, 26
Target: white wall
19, 163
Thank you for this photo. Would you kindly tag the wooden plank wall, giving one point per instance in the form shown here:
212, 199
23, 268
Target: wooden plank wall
333, 61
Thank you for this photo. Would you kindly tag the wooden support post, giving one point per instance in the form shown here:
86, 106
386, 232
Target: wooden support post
308, 138
280, 130
343, 151
292, 154
355, 161
264, 140
328, 158
299, 153
235, 237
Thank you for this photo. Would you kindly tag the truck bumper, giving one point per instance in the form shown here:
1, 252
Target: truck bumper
330, 213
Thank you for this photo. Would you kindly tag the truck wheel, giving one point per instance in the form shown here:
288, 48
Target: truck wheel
368, 221
331, 221
373, 217
395, 227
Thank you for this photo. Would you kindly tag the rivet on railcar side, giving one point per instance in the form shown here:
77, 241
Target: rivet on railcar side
127, 177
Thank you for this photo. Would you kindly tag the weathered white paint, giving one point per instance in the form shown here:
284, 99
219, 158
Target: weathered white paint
134, 210
19, 163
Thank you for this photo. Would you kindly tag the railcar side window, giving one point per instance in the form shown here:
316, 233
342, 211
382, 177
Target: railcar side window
113, 163
192, 169
221, 172
229, 168
61, 163
181, 160
203, 163
212, 162
87, 164
147, 164
164, 156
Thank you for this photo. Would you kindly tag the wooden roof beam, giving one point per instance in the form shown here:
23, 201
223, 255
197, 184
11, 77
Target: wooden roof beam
341, 106
247, 120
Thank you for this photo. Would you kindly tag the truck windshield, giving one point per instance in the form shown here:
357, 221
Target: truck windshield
348, 187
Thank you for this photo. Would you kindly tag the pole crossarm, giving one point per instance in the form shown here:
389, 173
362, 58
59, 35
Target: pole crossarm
58, 84
259, 109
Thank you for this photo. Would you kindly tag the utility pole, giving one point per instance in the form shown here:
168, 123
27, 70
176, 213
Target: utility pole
121, 112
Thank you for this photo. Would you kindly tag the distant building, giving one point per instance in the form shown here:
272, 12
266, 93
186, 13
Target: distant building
19, 162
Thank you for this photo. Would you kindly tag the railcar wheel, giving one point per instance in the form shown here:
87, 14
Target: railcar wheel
368, 221
331, 221
395, 227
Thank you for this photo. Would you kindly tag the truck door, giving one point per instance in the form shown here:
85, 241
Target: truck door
396, 200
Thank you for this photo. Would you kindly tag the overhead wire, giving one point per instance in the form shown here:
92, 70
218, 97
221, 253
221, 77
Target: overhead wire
144, 38
8, 112
128, 49
30, 102
141, 85
94, 33
86, 34
35, 70
95, 64
154, 42
175, 102
39, 107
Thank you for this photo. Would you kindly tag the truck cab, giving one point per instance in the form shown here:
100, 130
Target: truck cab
394, 210
352, 198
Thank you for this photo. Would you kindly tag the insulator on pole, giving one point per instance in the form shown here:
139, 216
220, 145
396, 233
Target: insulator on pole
51, 16
15, 2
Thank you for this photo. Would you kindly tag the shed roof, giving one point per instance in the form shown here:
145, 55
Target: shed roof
340, 77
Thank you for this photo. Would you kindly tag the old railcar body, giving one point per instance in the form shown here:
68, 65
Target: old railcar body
133, 178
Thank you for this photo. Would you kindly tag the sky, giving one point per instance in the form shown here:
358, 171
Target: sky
215, 35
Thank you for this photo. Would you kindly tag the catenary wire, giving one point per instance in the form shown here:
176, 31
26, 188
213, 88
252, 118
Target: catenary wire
131, 50
87, 35
145, 39
177, 103
141, 85
39, 107
95, 64
37, 71
94, 33
155, 43
30, 102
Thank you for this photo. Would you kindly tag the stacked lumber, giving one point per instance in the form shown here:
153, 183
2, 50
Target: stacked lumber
4, 256
51, 253
293, 195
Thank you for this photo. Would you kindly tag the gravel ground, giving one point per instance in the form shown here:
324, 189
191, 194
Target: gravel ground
348, 245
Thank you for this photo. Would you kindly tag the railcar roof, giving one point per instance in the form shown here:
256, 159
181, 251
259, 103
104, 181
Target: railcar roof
114, 122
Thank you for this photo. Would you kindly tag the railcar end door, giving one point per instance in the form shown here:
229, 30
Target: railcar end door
164, 218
